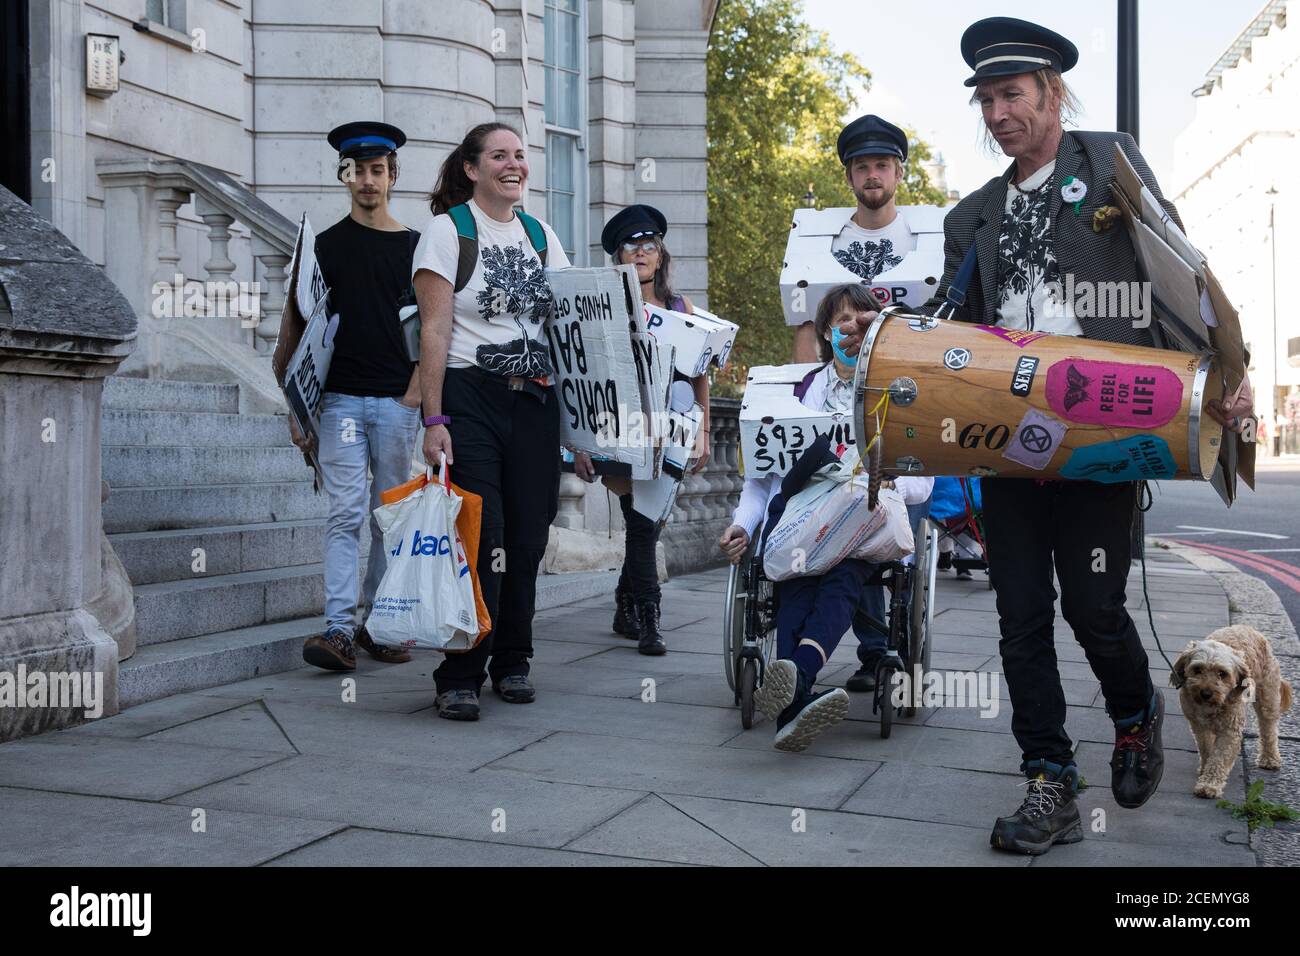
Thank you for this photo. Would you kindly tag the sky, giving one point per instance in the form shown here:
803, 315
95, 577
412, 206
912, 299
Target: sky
913, 52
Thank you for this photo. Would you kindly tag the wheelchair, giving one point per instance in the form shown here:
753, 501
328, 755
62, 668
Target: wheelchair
749, 626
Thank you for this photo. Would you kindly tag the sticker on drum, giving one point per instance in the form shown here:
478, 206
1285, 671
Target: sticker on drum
908, 464
983, 471
924, 323
1022, 380
1114, 394
1129, 459
956, 358
1036, 439
1017, 337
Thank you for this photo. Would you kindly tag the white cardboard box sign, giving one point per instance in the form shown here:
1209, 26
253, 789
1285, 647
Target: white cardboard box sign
810, 270
591, 331
776, 428
305, 347
701, 339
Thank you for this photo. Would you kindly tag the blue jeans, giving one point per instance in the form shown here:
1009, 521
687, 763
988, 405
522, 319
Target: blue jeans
872, 642
359, 437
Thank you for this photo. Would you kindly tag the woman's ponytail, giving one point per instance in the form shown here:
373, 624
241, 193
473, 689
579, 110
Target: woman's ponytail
453, 186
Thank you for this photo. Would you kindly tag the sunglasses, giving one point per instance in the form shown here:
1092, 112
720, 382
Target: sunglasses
648, 245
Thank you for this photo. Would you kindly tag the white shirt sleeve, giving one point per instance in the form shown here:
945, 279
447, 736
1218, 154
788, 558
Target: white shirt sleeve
754, 496
438, 249
913, 489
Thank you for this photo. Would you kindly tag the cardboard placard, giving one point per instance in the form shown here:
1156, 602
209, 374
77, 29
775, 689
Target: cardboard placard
810, 269
305, 346
597, 315
776, 428
701, 339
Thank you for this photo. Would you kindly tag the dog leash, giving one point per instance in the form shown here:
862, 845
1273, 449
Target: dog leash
1174, 679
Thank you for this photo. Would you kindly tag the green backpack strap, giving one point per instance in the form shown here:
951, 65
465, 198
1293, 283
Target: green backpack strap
536, 234
467, 233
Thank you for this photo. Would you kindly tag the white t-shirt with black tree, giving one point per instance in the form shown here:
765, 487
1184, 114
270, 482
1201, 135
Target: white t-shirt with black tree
868, 252
498, 319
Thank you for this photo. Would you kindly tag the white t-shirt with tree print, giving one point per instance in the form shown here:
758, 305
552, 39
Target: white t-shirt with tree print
498, 318
868, 252
1030, 293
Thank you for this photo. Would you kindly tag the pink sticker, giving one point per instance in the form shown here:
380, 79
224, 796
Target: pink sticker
1017, 337
1115, 394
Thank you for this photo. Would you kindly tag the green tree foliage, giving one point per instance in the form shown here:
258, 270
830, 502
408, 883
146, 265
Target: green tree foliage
778, 95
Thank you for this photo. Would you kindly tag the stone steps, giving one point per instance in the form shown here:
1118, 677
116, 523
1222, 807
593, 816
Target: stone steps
144, 394
163, 507
175, 610
142, 466
193, 663
154, 556
160, 429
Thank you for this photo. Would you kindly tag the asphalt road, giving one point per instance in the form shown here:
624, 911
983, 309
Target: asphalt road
1260, 534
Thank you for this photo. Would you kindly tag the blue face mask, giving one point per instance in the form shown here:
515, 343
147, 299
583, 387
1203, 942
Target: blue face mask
836, 338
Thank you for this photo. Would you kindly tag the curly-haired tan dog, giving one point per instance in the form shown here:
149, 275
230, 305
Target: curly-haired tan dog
1217, 677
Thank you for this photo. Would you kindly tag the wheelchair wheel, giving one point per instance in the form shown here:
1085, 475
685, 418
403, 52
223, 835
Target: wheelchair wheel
884, 698
733, 624
921, 612
748, 683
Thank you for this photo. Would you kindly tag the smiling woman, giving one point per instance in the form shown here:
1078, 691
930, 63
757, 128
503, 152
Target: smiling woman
480, 280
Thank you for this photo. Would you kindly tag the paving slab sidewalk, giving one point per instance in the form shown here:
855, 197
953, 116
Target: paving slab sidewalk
623, 760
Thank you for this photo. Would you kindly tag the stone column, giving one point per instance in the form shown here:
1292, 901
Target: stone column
63, 328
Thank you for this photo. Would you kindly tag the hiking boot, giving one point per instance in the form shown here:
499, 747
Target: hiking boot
1049, 814
380, 652
457, 704
1138, 761
515, 689
647, 618
331, 651
625, 615
776, 693
945, 561
864, 678
809, 715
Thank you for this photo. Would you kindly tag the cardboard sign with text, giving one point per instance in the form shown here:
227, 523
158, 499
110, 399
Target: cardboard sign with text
810, 269
305, 346
590, 335
776, 428
701, 339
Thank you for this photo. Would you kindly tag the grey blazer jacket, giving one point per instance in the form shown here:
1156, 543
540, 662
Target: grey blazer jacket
1095, 257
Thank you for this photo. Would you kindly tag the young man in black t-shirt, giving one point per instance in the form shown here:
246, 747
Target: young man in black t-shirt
370, 412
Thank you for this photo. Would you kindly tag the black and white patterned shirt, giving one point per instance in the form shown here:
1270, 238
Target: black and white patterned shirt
1030, 293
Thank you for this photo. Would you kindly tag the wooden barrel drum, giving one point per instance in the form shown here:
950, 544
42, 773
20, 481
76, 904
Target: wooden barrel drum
968, 399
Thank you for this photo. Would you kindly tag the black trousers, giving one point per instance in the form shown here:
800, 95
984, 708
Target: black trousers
639, 576
1083, 528
506, 449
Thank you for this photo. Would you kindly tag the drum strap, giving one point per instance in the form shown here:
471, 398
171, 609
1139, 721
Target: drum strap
961, 281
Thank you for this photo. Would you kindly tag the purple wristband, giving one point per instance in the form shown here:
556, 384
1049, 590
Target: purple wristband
437, 420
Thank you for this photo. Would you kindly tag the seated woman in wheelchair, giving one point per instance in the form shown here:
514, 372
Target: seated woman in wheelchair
813, 612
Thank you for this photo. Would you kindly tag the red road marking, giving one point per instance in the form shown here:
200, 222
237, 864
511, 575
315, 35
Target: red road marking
1286, 573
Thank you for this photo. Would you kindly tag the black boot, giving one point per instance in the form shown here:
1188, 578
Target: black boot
647, 619
625, 615
1138, 761
1049, 814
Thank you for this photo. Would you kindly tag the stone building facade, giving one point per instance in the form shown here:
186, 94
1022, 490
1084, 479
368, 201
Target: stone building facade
1234, 184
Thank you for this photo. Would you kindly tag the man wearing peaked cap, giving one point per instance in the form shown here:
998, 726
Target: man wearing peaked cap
1026, 233
366, 139
634, 222
370, 408
875, 239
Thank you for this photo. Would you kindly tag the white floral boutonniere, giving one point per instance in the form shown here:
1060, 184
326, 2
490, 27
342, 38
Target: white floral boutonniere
1073, 190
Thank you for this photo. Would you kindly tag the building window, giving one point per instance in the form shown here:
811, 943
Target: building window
565, 67
167, 13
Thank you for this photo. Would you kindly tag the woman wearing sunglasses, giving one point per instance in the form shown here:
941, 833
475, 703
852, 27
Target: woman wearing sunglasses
634, 236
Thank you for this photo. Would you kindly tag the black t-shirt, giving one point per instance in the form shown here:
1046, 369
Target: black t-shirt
367, 271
